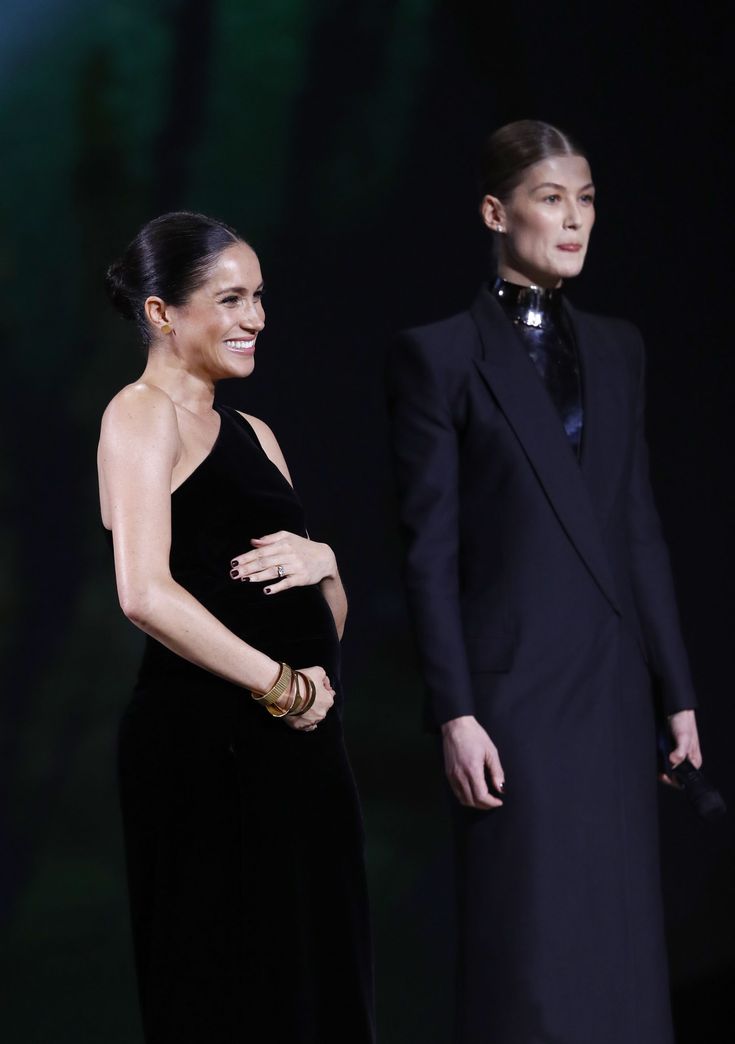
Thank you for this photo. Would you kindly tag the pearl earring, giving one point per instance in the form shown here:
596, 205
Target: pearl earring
500, 228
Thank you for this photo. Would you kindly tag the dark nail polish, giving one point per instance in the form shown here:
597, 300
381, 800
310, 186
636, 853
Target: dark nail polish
233, 572
233, 562
267, 590
501, 787
245, 579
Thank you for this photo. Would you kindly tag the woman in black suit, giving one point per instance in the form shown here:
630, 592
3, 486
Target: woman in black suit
544, 607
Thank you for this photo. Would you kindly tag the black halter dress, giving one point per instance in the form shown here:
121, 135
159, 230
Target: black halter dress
243, 837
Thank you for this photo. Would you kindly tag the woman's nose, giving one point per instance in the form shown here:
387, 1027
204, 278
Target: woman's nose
572, 218
252, 320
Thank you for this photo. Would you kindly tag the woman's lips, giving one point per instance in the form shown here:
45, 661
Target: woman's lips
241, 346
570, 248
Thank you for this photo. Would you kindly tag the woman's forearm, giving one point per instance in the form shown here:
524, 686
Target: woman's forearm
169, 613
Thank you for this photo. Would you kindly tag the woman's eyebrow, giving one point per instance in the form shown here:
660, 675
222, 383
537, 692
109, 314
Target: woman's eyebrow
238, 289
561, 188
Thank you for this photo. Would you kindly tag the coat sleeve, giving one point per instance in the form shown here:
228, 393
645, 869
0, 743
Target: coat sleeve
425, 449
653, 583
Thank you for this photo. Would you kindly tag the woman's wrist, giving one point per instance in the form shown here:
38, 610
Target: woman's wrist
266, 676
330, 563
681, 714
284, 697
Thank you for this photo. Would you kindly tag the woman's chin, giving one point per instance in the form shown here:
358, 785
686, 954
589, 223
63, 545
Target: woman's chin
570, 268
240, 367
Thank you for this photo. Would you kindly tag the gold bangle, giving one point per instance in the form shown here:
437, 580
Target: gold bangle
282, 684
308, 702
298, 706
277, 711
312, 696
298, 701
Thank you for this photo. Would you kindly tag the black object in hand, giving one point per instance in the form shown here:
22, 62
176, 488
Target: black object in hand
706, 800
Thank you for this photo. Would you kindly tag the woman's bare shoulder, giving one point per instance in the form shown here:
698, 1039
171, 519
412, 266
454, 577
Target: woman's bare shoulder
260, 428
268, 441
140, 409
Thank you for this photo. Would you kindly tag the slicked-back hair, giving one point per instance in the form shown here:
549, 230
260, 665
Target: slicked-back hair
512, 149
169, 258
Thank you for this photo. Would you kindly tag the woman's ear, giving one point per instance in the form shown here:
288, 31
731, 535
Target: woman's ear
492, 212
155, 311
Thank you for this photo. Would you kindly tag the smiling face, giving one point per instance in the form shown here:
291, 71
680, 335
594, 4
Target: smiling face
215, 331
546, 222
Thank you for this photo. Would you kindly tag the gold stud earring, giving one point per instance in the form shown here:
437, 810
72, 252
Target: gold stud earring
167, 328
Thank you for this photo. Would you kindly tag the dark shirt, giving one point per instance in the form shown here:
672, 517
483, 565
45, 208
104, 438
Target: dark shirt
538, 317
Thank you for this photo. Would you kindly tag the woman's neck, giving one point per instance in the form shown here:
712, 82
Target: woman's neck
193, 391
514, 275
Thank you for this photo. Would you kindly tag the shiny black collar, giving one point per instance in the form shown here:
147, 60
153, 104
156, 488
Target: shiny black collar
529, 305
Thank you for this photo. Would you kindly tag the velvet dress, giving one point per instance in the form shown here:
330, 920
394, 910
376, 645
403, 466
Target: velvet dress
243, 837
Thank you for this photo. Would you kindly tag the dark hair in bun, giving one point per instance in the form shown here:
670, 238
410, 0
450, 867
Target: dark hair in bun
512, 149
169, 258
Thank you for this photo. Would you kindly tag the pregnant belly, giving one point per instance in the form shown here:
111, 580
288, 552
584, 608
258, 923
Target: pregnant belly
296, 615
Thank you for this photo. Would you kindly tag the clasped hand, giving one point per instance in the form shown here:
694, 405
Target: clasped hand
303, 562
322, 704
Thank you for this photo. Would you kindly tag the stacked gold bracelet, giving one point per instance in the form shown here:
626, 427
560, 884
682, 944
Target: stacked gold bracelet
282, 684
300, 704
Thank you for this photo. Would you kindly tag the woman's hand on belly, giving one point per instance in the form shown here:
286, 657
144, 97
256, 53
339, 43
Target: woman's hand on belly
322, 704
468, 753
302, 562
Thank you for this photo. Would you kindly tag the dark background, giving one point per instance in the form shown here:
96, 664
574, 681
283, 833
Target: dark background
340, 138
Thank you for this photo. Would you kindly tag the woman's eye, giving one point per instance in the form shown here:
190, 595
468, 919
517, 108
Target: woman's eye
552, 198
587, 199
232, 299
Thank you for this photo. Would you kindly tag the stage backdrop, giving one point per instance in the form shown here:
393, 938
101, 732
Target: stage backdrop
340, 139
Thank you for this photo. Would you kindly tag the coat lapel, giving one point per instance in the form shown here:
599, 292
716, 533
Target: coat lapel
606, 407
511, 377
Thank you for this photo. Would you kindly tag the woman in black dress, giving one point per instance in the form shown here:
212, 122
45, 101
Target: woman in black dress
242, 825
544, 607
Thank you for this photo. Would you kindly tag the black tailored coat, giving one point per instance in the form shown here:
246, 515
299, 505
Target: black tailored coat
543, 604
